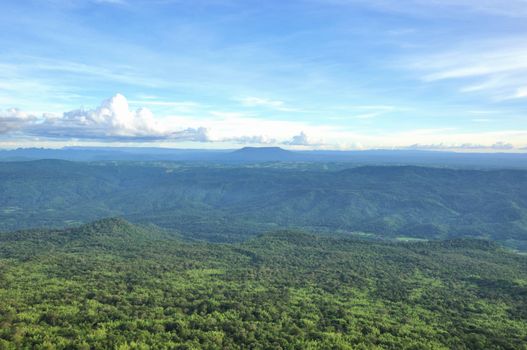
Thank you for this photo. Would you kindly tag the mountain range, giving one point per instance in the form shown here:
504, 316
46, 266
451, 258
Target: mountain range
273, 154
233, 202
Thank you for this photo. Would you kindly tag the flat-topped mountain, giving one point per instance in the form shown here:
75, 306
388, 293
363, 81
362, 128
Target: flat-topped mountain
260, 154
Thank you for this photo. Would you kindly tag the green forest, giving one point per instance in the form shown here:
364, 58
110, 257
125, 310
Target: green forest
269, 255
114, 285
263, 175
230, 203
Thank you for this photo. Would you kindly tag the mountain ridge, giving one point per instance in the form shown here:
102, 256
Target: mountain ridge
357, 157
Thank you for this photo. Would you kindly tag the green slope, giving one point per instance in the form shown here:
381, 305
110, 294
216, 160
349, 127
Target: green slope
114, 285
232, 203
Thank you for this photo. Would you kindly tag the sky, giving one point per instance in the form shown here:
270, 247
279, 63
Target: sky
299, 74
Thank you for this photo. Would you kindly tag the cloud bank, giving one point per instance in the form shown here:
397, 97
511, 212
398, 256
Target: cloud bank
498, 146
115, 121
13, 120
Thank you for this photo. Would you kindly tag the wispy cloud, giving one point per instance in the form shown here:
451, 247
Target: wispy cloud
497, 68
520, 93
114, 72
278, 105
443, 8
258, 101
179, 106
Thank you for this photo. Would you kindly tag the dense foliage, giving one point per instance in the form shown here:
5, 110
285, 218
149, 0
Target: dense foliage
111, 284
230, 203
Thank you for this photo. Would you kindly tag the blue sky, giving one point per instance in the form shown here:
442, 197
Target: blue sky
328, 74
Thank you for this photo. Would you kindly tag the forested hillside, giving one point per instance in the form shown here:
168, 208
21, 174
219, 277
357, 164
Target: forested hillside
111, 284
231, 203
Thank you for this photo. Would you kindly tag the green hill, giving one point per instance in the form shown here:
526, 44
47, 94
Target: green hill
232, 203
113, 285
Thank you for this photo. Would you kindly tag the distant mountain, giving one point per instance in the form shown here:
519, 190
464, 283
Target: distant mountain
272, 154
111, 154
262, 154
233, 202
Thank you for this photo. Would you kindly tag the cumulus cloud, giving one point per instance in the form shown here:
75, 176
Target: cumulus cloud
200, 134
14, 119
112, 118
301, 140
114, 121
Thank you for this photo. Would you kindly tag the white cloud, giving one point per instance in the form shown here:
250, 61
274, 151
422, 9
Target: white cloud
520, 93
265, 102
256, 139
257, 101
486, 62
498, 146
173, 105
112, 119
299, 140
200, 134
14, 120
495, 67
502, 146
302, 140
